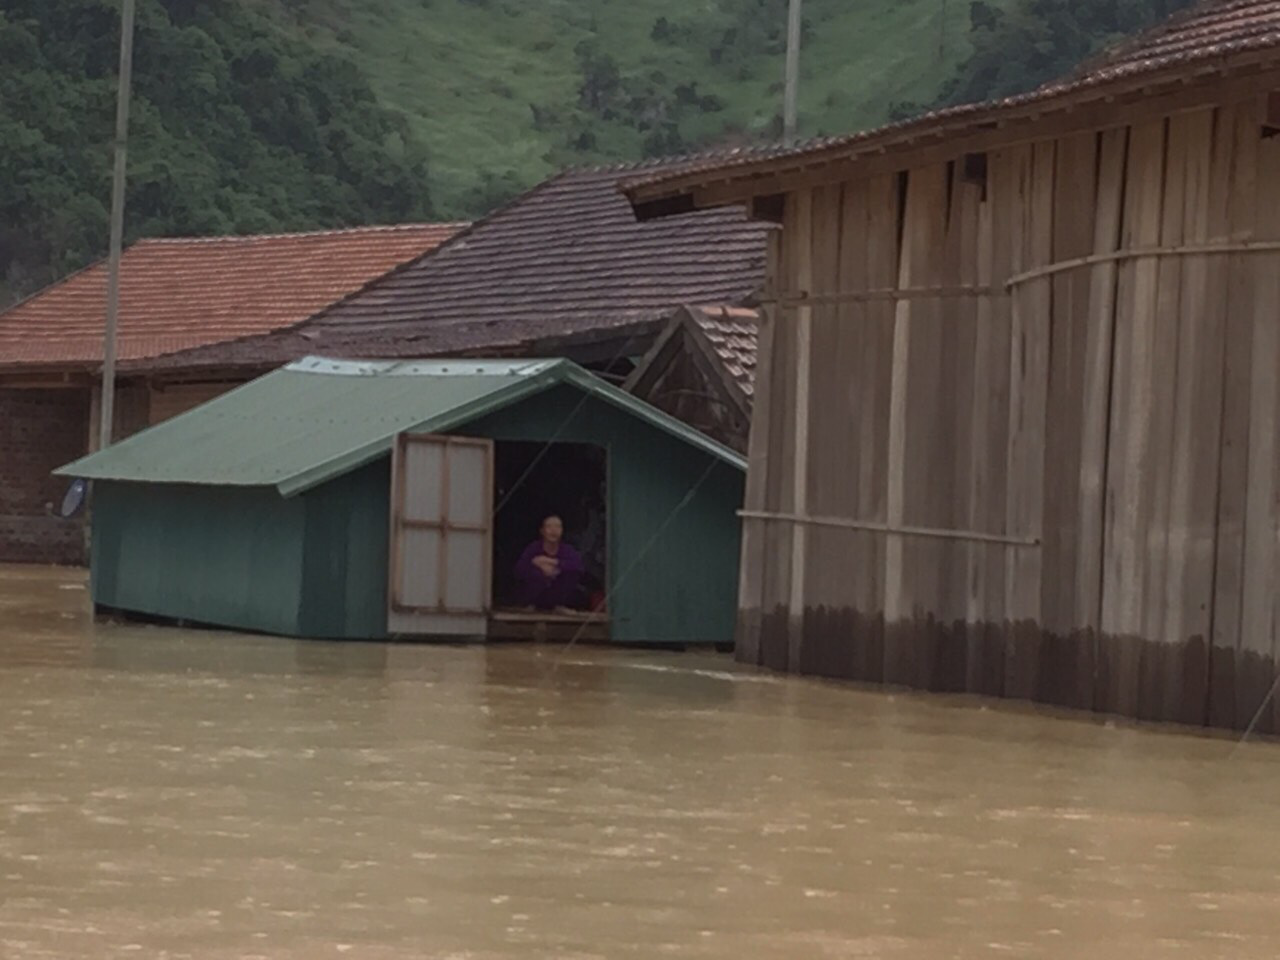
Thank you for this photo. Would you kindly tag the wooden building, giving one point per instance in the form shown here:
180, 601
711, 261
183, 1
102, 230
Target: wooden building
366, 500
1017, 422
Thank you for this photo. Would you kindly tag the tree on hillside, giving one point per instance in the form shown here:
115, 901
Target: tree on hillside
1036, 41
236, 128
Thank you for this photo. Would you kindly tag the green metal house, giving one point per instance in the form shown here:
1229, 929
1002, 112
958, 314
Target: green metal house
362, 500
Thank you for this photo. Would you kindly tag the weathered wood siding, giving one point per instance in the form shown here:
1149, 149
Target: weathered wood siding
1098, 443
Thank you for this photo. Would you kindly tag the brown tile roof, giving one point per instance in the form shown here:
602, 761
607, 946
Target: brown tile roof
1214, 33
731, 333
566, 260
182, 293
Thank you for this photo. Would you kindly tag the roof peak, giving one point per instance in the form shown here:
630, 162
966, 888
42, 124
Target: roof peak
330, 232
330, 366
676, 160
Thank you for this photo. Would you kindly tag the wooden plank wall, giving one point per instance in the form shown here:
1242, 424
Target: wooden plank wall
1123, 414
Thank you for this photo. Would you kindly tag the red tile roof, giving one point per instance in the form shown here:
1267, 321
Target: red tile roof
566, 260
183, 293
1214, 33
731, 332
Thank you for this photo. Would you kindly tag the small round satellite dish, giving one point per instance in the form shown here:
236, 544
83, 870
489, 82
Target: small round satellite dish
73, 502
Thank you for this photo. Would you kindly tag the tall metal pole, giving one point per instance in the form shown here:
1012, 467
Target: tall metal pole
942, 33
117, 225
793, 73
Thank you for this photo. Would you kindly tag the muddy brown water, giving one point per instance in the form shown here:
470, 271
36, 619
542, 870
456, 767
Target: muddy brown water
168, 793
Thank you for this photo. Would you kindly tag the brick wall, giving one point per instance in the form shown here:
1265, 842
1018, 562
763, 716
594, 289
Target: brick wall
40, 429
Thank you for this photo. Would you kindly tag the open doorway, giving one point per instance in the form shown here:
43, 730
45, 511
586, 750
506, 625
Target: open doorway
533, 481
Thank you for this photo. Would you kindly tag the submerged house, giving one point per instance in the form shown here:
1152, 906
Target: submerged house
563, 270
176, 294
1017, 421
365, 500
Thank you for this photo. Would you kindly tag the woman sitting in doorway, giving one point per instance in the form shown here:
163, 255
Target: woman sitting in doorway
549, 570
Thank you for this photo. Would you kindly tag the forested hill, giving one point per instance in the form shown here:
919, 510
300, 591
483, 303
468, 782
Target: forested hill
256, 115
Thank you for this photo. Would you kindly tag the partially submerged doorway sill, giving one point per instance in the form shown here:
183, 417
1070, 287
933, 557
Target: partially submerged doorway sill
548, 626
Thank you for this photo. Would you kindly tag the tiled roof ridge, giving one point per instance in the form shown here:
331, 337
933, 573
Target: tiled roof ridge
1133, 43
300, 234
674, 160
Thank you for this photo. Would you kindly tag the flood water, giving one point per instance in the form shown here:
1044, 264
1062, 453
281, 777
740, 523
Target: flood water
169, 793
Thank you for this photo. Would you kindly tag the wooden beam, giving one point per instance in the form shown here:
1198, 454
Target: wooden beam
802, 298
751, 572
1129, 506
1099, 358
899, 366
45, 381
1029, 365
652, 364
803, 275
1238, 144
1197, 396
978, 666
893, 529
1145, 253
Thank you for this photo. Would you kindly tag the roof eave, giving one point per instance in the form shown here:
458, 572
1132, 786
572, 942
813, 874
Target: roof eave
1010, 119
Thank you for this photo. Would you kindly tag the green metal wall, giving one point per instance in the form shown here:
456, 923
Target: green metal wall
313, 565
683, 586
346, 549
230, 556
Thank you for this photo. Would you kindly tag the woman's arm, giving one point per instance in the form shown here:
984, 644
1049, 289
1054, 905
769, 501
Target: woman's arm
525, 570
570, 560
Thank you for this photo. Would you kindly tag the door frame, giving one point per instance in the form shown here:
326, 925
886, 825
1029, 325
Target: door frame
443, 525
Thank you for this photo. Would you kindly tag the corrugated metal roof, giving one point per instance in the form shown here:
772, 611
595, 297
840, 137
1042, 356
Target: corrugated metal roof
184, 292
1212, 32
319, 418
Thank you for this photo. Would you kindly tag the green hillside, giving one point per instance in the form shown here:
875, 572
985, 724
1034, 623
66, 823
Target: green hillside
258, 115
505, 91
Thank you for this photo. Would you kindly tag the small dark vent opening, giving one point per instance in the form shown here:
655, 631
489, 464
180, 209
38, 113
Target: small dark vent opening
1271, 116
974, 169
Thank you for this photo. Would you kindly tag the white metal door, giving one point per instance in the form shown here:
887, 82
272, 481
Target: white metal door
441, 535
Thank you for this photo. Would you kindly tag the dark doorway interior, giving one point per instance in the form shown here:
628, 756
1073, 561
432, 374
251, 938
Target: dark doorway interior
533, 480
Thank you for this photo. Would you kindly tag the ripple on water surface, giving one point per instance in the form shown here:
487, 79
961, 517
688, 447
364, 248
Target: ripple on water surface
170, 793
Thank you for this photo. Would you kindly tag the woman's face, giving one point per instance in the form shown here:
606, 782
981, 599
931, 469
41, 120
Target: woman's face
552, 530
